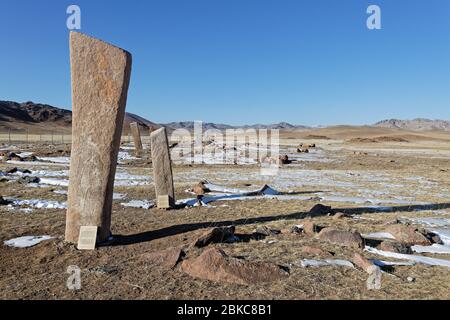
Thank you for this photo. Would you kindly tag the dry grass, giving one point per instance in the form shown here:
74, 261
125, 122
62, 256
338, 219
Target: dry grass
40, 272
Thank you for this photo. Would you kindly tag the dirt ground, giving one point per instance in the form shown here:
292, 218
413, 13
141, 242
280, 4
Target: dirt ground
411, 175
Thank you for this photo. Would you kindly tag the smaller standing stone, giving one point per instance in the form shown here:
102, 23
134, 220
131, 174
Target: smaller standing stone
162, 165
136, 133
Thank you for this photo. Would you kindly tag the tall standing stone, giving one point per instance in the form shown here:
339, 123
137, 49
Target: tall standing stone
162, 165
100, 78
136, 133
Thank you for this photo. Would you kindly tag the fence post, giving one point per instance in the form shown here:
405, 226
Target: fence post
27, 136
52, 137
9, 135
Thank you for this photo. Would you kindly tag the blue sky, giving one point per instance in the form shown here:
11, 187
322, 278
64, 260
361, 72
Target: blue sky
243, 61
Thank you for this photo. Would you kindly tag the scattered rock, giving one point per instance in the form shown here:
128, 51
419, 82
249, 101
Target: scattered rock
314, 251
295, 229
11, 156
320, 210
284, 160
407, 235
309, 228
362, 262
340, 215
167, 259
11, 170
30, 158
359, 153
215, 265
392, 221
263, 230
200, 189
28, 179
397, 247
411, 279
345, 238
15, 170
104, 270
215, 235
302, 150
434, 238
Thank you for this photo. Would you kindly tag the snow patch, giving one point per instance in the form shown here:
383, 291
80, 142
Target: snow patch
26, 242
328, 262
143, 204
410, 257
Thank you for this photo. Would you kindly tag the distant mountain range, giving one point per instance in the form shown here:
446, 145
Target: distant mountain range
189, 125
43, 117
418, 124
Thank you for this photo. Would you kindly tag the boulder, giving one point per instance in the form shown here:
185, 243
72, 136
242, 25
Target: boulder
407, 235
344, 238
309, 228
393, 246
28, 179
215, 265
215, 235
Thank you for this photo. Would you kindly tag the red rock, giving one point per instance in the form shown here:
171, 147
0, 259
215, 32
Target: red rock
200, 189
397, 247
215, 265
362, 262
309, 228
314, 251
407, 235
345, 238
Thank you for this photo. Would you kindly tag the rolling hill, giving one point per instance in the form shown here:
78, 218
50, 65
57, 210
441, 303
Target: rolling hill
41, 118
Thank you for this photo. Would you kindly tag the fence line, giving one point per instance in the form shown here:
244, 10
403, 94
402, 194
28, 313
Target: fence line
44, 137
